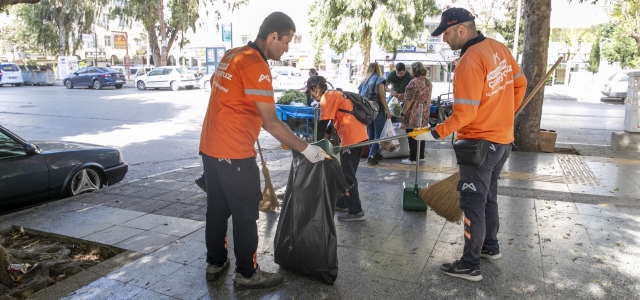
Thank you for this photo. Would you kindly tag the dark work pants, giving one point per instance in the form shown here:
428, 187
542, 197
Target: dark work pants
349, 160
413, 147
233, 189
478, 188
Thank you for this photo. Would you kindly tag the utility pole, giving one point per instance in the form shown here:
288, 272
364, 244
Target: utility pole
517, 33
95, 43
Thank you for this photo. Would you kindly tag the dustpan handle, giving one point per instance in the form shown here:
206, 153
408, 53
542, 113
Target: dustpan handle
418, 148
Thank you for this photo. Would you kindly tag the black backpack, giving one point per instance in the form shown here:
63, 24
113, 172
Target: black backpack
364, 109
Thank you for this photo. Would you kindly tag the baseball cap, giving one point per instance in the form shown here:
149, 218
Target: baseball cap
450, 17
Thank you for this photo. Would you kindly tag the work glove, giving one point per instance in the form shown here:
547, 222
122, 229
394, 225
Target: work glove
422, 134
315, 154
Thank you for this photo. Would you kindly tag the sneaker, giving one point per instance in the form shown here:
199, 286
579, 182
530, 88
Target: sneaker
214, 272
201, 183
490, 255
456, 269
259, 280
422, 161
349, 217
408, 162
338, 208
372, 161
378, 157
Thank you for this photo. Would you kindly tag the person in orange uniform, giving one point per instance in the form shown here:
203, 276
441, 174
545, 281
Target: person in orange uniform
488, 88
333, 105
241, 102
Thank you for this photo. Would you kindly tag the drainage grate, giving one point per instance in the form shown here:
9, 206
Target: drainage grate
576, 171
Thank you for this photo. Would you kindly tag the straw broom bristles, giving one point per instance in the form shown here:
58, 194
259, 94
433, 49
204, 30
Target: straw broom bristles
269, 200
443, 197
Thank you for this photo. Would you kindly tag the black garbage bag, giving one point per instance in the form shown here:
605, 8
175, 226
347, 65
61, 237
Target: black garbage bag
306, 235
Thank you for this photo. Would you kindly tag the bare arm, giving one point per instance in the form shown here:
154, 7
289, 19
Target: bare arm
279, 130
383, 100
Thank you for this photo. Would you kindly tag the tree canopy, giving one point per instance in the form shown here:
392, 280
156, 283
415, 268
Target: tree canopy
341, 24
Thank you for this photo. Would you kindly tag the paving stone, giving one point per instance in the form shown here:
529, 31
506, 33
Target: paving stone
150, 295
597, 210
151, 193
148, 205
192, 284
146, 242
145, 271
178, 210
196, 199
149, 221
115, 262
178, 227
549, 207
405, 268
124, 190
103, 214
106, 289
66, 286
352, 259
408, 245
181, 252
113, 235
176, 196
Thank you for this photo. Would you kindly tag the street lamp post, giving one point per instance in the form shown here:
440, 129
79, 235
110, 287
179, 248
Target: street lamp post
126, 56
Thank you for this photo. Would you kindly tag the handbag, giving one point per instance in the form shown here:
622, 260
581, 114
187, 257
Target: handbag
471, 152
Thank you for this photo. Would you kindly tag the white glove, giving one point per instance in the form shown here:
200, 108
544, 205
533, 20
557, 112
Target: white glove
422, 135
315, 154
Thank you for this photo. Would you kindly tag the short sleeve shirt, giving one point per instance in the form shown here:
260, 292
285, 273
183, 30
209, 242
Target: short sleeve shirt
369, 87
232, 122
398, 84
350, 130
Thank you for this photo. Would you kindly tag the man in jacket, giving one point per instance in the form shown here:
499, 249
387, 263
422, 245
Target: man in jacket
241, 102
488, 88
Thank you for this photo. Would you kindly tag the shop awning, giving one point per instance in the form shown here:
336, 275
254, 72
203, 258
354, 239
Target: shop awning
424, 57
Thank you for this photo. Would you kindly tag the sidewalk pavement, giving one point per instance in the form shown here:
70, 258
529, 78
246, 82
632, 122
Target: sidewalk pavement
570, 228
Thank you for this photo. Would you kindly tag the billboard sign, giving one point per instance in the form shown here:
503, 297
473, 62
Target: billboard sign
226, 32
119, 41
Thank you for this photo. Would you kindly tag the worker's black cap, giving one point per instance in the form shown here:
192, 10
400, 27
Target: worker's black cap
450, 17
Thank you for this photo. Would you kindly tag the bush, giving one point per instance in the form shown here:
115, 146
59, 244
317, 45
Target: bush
291, 96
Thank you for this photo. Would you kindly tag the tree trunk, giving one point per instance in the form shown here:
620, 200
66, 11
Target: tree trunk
365, 45
163, 35
62, 34
153, 45
537, 14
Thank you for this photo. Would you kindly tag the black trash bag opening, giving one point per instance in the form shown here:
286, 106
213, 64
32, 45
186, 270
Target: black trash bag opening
305, 238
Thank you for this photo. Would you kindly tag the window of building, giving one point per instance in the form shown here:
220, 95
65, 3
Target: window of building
297, 39
246, 39
431, 27
107, 41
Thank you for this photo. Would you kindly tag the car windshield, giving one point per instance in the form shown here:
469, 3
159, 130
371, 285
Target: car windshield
10, 68
182, 70
624, 77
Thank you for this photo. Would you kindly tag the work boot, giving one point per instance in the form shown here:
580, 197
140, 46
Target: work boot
259, 280
372, 161
378, 157
351, 217
214, 272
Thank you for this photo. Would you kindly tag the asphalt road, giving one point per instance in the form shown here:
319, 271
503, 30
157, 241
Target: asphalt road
158, 131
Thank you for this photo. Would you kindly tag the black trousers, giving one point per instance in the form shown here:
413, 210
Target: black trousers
349, 160
413, 147
478, 188
233, 189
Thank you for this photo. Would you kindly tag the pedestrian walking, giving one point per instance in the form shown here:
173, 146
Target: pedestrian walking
372, 88
241, 102
488, 88
418, 92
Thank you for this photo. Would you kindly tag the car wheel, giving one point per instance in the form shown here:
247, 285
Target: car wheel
97, 85
141, 86
189, 87
207, 86
118, 86
17, 84
174, 86
85, 180
68, 84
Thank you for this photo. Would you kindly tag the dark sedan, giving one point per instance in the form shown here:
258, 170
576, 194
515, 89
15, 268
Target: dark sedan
31, 173
95, 77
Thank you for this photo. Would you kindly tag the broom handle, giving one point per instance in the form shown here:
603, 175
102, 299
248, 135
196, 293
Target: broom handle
418, 149
540, 84
260, 151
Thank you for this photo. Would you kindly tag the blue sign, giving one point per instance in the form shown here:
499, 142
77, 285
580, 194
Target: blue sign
407, 49
226, 32
213, 57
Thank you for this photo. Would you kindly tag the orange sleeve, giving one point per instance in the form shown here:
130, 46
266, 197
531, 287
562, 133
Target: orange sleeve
256, 80
467, 92
519, 85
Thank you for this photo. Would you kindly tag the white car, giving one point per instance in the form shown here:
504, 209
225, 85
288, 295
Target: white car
173, 77
10, 74
285, 77
615, 89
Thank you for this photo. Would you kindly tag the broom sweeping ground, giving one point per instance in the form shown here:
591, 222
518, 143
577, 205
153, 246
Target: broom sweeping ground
269, 200
443, 197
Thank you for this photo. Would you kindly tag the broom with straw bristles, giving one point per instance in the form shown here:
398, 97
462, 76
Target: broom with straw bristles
443, 197
269, 200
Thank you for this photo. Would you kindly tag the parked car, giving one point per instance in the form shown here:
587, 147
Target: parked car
31, 173
205, 82
615, 89
95, 77
285, 77
10, 74
139, 71
173, 77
